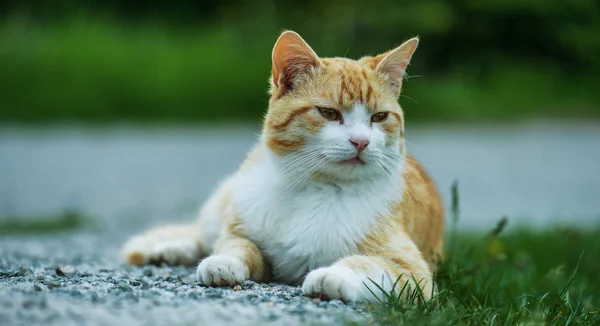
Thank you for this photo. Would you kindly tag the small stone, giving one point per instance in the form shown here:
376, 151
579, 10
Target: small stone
64, 270
135, 283
124, 286
271, 304
148, 272
316, 300
247, 284
24, 271
323, 304
237, 288
75, 293
335, 303
54, 284
353, 305
299, 309
42, 304
95, 298
37, 288
132, 297
212, 293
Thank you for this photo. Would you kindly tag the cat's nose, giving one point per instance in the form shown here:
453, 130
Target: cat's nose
359, 143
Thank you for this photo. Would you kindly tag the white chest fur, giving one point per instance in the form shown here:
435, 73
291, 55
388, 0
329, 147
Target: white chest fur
309, 226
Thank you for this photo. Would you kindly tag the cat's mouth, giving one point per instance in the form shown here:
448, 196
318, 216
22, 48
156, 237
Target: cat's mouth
355, 161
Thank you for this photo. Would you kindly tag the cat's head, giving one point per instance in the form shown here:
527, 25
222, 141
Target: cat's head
336, 117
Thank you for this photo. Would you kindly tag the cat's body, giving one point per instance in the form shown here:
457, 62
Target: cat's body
328, 198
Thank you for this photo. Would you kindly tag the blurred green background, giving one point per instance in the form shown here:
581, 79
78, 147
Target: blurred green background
188, 61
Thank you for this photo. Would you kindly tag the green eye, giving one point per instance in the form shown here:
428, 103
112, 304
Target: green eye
329, 114
379, 117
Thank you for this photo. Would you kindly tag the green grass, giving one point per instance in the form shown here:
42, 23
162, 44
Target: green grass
521, 277
93, 69
524, 277
60, 223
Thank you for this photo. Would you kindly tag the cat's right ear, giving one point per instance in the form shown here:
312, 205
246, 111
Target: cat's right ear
292, 57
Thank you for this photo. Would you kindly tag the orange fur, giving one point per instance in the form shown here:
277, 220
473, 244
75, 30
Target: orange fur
406, 242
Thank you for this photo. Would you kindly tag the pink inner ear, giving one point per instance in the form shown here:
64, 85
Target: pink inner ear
395, 63
395, 72
291, 57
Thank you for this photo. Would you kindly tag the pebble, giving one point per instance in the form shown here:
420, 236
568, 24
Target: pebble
64, 270
24, 271
212, 293
124, 286
248, 284
54, 284
237, 288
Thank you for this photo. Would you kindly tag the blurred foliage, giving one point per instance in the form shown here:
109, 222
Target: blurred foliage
52, 224
190, 60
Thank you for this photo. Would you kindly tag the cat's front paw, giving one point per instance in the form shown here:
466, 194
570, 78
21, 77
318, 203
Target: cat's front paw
335, 282
222, 270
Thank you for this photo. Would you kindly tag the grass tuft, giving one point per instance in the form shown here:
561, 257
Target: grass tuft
522, 277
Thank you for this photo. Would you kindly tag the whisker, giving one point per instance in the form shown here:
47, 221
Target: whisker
304, 175
410, 98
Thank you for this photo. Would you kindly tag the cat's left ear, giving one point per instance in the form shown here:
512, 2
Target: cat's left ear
392, 64
292, 57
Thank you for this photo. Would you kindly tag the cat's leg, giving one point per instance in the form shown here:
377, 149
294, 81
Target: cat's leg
352, 278
172, 244
234, 259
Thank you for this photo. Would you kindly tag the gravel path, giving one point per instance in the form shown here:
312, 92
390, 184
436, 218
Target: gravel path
78, 280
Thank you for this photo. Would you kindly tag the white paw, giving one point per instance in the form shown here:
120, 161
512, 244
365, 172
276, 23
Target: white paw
335, 282
221, 270
141, 251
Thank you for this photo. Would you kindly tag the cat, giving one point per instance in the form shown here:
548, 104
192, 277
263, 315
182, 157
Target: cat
328, 198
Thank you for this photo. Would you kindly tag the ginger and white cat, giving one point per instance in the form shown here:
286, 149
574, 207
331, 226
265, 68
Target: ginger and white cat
328, 197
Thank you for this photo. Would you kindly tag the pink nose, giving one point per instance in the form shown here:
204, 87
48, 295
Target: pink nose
360, 144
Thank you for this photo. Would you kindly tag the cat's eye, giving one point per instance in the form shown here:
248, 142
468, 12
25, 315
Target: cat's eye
329, 114
379, 117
